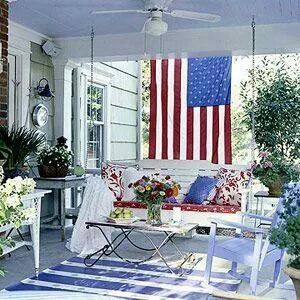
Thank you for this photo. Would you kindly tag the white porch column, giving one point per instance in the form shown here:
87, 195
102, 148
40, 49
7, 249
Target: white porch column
63, 99
77, 118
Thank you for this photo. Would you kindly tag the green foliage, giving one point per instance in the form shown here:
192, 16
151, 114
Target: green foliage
276, 107
22, 142
4, 243
4, 150
287, 233
95, 103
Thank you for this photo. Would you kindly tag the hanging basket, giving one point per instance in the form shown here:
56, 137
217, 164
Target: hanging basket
53, 172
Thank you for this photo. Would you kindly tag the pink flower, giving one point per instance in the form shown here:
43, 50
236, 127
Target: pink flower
252, 165
267, 164
263, 154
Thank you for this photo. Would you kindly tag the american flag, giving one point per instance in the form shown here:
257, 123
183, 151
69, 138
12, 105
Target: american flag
190, 109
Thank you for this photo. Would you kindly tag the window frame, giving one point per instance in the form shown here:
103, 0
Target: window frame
100, 124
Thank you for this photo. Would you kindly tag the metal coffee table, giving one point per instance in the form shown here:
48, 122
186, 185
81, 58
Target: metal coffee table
146, 230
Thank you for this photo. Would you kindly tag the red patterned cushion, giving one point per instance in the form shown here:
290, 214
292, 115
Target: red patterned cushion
184, 207
113, 175
228, 192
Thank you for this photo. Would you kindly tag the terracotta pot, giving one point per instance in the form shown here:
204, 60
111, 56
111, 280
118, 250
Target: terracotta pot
53, 172
275, 189
295, 276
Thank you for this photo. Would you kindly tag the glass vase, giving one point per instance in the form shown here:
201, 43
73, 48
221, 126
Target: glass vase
154, 214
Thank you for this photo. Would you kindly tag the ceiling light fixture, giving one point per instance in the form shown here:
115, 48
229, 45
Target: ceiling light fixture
155, 25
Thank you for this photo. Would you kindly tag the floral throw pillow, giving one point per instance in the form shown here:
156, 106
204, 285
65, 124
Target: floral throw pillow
113, 176
228, 192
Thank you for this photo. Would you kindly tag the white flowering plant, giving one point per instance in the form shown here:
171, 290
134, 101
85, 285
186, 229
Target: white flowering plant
11, 207
58, 157
12, 210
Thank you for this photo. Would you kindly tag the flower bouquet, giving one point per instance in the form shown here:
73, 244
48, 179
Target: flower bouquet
152, 191
273, 171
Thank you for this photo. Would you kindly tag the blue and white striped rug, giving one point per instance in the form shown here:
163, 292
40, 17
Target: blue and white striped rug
115, 278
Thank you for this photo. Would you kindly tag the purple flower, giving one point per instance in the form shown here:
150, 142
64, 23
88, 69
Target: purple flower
267, 164
263, 154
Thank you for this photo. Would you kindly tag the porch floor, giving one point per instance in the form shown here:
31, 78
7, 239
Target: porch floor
20, 265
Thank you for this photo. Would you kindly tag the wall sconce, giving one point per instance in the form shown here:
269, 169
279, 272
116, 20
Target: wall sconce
43, 90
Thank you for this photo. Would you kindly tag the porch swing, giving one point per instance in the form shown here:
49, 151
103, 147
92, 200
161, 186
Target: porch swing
186, 172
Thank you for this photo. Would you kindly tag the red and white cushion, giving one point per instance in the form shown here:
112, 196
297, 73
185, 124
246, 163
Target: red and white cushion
228, 192
240, 176
113, 176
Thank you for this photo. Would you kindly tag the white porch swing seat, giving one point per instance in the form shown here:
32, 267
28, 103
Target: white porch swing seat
97, 201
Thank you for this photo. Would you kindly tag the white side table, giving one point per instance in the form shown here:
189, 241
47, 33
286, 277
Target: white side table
31, 200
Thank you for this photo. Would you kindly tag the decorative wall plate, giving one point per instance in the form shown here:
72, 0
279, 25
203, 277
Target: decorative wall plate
40, 115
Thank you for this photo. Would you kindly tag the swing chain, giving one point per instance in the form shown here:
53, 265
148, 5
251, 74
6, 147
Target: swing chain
253, 146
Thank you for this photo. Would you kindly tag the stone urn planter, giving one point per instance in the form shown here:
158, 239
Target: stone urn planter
295, 276
275, 189
52, 172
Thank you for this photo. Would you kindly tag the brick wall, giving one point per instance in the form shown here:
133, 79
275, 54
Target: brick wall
3, 75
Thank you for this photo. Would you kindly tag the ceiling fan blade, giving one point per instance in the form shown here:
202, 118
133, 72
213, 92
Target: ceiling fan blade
145, 24
123, 11
185, 14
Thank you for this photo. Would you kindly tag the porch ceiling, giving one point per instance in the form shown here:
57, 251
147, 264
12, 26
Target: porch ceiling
69, 18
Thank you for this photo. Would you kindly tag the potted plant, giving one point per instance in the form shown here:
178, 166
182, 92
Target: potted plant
4, 152
22, 143
287, 233
273, 171
12, 210
152, 191
55, 161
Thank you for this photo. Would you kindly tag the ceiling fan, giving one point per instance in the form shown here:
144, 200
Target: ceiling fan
155, 25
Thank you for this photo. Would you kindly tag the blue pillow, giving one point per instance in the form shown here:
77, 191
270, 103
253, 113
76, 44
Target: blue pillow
200, 189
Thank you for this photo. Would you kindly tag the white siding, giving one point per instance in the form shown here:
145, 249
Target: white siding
124, 99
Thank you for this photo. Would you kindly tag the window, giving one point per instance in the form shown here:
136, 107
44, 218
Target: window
95, 125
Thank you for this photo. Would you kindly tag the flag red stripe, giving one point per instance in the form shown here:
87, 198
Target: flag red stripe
215, 136
189, 133
164, 108
203, 132
177, 109
153, 110
227, 135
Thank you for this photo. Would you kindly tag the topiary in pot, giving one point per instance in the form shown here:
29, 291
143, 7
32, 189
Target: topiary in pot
287, 233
